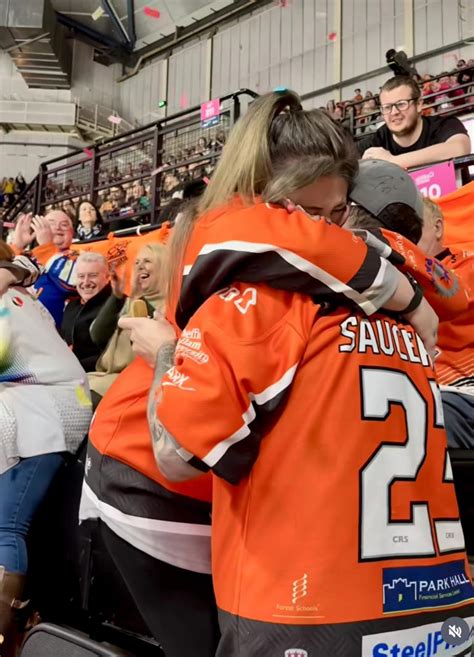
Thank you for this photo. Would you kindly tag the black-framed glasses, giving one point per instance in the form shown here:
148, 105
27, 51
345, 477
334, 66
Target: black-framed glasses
401, 105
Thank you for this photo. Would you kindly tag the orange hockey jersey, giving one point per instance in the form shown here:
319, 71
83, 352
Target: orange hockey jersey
125, 489
335, 524
263, 243
455, 360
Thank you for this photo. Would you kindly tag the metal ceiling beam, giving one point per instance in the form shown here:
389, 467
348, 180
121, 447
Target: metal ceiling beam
93, 35
131, 22
117, 23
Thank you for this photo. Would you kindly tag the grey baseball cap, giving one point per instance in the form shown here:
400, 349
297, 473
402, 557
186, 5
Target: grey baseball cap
379, 184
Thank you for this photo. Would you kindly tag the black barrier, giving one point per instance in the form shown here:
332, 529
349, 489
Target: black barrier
129, 177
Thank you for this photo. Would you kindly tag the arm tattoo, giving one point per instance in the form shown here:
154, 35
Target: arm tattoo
165, 447
164, 361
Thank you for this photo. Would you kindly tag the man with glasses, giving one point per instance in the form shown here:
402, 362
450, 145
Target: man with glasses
408, 138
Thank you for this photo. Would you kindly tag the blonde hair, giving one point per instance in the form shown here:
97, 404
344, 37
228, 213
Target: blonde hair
432, 211
273, 150
159, 255
6, 252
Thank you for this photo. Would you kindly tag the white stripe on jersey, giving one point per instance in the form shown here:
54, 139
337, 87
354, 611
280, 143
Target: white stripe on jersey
368, 302
259, 398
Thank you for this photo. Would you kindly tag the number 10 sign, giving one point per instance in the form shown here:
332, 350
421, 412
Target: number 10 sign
435, 180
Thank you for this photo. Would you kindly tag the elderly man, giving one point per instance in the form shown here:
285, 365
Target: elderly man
93, 287
408, 138
54, 234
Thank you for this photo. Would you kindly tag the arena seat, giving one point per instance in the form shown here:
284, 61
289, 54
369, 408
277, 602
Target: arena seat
47, 640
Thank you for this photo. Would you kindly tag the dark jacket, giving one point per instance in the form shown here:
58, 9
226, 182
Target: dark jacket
77, 319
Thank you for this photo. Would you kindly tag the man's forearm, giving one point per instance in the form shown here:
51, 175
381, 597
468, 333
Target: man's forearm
430, 154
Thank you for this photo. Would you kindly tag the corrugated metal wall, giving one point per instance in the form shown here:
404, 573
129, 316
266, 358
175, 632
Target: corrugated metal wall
288, 46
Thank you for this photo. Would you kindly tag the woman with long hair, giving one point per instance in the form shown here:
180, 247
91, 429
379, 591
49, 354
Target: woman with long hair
309, 499
147, 286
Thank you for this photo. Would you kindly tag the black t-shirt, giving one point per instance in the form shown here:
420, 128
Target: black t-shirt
436, 130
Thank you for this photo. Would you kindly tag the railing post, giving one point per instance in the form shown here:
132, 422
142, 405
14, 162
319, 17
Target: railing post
96, 115
156, 179
95, 165
42, 177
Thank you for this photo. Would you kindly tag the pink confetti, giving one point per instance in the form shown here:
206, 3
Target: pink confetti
183, 101
114, 119
8, 224
332, 36
206, 180
89, 152
283, 3
152, 13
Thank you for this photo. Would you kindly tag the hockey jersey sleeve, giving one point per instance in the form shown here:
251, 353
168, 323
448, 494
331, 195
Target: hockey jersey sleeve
230, 377
266, 244
447, 293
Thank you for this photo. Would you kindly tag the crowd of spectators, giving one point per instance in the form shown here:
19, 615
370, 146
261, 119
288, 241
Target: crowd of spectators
10, 191
361, 114
125, 190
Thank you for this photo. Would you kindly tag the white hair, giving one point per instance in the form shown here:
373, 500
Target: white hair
91, 256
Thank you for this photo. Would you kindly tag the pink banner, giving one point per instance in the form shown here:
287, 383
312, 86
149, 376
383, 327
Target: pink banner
435, 180
210, 113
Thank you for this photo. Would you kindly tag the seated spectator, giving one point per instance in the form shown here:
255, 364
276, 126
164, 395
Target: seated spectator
9, 186
69, 208
53, 234
408, 138
93, 288
202, 147
45, 412
89, 222
454, 363
147, 285
20, 184
464, 78
358, 98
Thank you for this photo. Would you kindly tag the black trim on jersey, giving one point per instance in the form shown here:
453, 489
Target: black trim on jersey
213, 271
413, 504
133, 493
239, 459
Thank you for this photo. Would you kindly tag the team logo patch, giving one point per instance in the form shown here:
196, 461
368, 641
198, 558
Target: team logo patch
296, 652
445, 284
18, 301
425, 587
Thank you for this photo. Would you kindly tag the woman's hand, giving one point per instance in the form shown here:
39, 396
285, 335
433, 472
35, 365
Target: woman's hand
117, 283
148, 335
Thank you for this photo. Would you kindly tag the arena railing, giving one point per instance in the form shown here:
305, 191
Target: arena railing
130, 176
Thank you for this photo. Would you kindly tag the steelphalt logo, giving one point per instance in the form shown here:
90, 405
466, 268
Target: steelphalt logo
407, 589
421, 641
